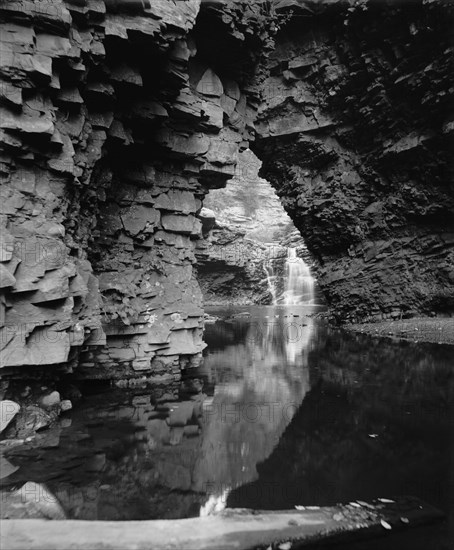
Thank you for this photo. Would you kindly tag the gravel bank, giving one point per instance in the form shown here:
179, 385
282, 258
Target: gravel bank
418, 329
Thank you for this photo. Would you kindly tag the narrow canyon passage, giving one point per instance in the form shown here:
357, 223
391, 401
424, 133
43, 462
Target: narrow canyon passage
251, 252
227, 272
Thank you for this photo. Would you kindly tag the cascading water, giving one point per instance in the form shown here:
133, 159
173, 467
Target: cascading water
271, 280
299, 283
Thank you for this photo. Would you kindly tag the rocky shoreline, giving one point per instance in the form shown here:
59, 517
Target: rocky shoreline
419, 329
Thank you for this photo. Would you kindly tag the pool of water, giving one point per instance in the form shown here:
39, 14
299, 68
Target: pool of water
284, 411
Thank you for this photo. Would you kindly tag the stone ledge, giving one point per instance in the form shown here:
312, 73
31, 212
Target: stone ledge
235, 528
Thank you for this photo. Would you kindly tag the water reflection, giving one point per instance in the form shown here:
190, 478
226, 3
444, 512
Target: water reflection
133, 455
262, 378
284, 411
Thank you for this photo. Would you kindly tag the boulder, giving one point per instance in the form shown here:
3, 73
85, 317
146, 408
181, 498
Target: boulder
66, 405
31, 420
32, 500
8, 410
50, 400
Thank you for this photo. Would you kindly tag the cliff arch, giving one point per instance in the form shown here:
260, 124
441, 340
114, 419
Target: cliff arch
114, 125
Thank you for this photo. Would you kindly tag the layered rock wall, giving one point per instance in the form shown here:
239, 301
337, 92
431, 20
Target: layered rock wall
355, 134
113, 125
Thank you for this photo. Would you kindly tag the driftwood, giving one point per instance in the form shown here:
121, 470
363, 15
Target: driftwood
232, 529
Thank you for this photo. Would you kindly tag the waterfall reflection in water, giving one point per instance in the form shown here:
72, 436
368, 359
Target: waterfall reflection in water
281, 413
262, 379
121, 455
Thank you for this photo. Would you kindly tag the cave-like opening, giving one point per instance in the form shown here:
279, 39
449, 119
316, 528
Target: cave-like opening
252, 252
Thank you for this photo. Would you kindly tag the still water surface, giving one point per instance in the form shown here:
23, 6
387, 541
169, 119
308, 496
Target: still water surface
283, 411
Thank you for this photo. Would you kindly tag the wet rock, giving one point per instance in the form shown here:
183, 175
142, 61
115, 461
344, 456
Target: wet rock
66, 405
32, 500
65, 422
50, 400
6, 468
32, 419
8, 410
369, 248
79, 117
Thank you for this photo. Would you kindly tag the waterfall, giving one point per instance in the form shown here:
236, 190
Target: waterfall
270, 279
297, 281
299, 284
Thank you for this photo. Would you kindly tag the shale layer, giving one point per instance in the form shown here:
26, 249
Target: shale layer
116, 120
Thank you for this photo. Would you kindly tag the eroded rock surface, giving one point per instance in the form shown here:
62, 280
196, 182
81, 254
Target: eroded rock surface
355, 133
114, 125
113, 128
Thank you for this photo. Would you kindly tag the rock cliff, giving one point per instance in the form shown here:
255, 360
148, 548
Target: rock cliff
114, 125
117, 117
355, 132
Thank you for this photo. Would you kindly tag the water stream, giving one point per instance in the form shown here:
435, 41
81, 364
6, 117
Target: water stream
298, 284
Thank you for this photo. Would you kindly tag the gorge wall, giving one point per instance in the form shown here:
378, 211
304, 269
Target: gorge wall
355, 133
117, 117
114, 126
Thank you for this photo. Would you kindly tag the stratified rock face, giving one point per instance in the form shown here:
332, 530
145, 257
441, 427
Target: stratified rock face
114, 125
249, 204
231, 267
355, 135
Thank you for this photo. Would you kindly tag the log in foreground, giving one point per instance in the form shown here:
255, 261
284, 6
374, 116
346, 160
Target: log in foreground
231, 529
